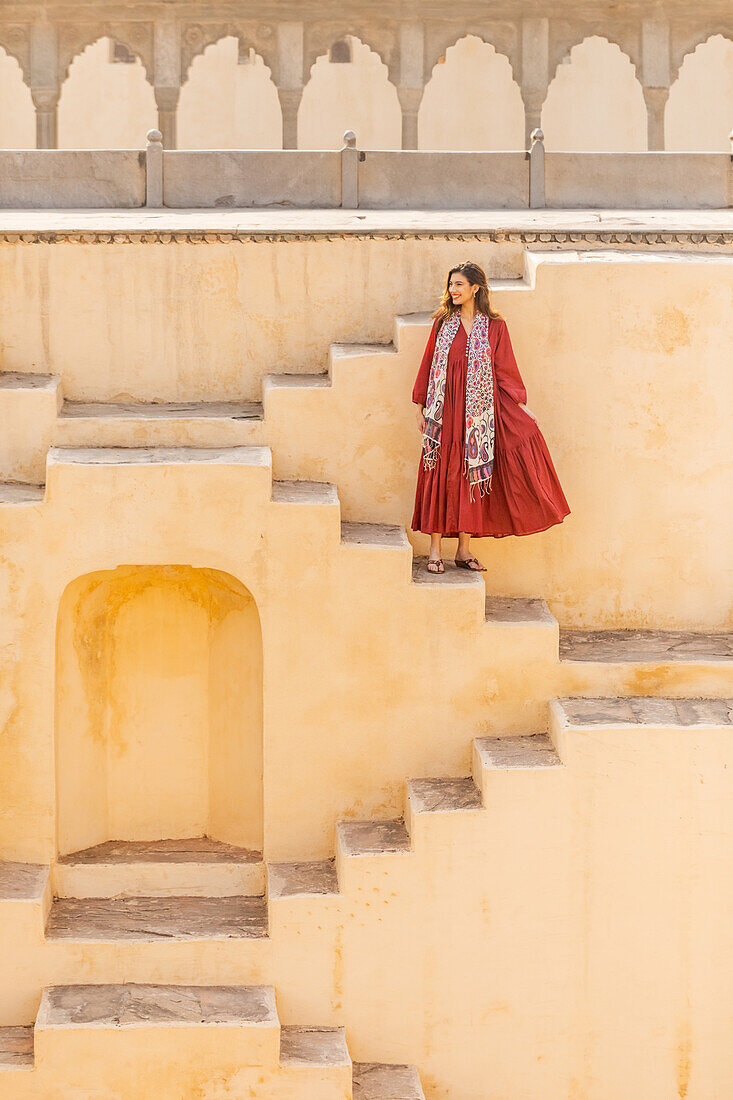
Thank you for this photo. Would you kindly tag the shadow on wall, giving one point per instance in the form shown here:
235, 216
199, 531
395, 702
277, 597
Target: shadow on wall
158, 708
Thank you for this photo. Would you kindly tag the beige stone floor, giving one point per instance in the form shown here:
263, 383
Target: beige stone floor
356, 221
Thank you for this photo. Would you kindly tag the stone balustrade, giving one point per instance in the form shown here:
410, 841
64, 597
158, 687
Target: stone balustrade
366, 179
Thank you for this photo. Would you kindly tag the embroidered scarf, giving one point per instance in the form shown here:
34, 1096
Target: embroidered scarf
479, 452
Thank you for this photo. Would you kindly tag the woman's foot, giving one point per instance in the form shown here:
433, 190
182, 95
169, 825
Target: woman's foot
435, 565
470, 563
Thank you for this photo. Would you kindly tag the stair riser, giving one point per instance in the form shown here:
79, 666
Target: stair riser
158, 880
145, 432
675, 679
214, 1047
27, 420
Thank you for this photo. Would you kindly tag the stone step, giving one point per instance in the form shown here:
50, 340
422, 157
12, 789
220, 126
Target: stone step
20, 492
197, 867
149, 919
296, 382
308, 879
375, 1081
314, 1046
378, 535
23, 881
90, 1029
16, 1049
432, 796
521, 611
654, 662
304, 492
640, 711
451, 578
17, 380
518, 752
373, 838
159, 456
144, 412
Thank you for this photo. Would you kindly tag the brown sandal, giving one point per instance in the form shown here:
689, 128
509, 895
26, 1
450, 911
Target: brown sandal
470, 563
438, 562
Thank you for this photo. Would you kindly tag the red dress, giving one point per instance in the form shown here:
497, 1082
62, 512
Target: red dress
525, 496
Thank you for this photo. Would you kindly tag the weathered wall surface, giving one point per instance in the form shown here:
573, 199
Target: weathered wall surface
624, 358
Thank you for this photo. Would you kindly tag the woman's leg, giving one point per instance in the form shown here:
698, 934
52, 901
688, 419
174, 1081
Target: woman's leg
434, 555
463, 553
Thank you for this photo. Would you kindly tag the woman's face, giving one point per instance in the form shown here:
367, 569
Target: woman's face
460, 289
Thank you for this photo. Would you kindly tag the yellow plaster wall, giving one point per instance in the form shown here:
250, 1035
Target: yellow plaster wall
623, 355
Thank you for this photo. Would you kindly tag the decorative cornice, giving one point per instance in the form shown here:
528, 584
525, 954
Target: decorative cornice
657, 238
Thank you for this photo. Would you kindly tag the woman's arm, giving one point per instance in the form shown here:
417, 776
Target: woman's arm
420, 389
508, 379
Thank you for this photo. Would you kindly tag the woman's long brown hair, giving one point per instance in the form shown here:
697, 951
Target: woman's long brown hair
476, 277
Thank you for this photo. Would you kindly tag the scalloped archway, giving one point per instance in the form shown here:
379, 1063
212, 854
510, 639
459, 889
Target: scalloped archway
595, 102
699, 115
471, 101
229, 100
105, 104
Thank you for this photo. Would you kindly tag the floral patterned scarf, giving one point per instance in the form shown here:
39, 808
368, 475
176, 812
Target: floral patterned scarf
479, 454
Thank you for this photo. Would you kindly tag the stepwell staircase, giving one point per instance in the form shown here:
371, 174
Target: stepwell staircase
115, 922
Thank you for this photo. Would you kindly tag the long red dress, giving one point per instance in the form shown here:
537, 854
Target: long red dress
525, 496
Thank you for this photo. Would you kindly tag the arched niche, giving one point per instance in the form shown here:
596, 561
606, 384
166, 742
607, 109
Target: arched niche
471, 101
17, 114
158, 708
229, 100
355, 97
595, 102
106, 101
699, 113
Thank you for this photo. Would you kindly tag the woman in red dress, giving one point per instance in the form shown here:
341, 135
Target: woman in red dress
485, 469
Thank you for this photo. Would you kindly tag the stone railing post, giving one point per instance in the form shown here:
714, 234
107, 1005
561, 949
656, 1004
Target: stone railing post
536, 158
350, 157
154, 169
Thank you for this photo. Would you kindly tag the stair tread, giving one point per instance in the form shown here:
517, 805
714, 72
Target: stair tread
176, 410
344, 350
297, 879
144, 456
194, 850
444, 795
534, 750
22, 881
21, 492
16, 380
359, 838
16, 1047
304, 492
374, 534
313, 1046
157, 918
458, 578
508, 609
131, 1004
378, 1081
646, 710
298, 381
644, 645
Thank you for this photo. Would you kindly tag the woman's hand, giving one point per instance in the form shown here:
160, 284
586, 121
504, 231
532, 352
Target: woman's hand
529, 412
421, 419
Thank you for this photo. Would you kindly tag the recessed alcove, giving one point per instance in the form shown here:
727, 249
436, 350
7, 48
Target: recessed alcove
158, 708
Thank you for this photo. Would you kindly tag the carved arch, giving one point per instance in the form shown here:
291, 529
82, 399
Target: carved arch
688, 42
75, 38
381, 38
504, 37
257, 35
564, 37
15, 39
